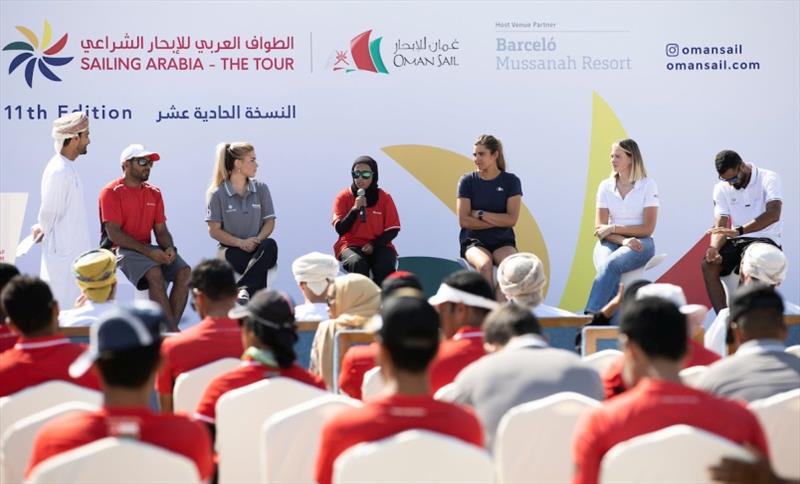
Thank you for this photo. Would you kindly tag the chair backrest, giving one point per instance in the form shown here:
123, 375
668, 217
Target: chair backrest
534, 439
290, 439
17, 442
691, 452
372, 384
592, 335
436, 458
343, 340
794, 349
190, 385
113, 460
41, 397
240, 415
780, 418
600, 360
730, 283
445, 393
429, 270
691, 376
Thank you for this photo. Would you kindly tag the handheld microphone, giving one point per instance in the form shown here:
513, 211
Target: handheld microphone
362, 212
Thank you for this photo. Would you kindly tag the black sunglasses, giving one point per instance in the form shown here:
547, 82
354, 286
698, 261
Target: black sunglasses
365, 174
142, 161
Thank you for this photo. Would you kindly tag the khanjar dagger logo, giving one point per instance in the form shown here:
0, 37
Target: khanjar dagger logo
38, 53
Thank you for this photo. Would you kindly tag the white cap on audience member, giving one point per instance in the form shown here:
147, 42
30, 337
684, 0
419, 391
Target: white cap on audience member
521, 278
67, 127
695, 313
137, 151
764, 262
316, 269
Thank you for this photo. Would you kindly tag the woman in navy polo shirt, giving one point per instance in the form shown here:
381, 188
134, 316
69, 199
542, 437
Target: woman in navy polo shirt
241, 217
625, 218
488, 205
366, 223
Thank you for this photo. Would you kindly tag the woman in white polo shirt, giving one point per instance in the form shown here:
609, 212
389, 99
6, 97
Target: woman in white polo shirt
627, 209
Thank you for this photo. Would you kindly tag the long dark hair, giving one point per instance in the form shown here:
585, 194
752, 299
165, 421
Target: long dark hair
274, 326
372, 190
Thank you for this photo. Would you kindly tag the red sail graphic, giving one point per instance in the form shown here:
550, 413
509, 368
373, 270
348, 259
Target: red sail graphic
359, 47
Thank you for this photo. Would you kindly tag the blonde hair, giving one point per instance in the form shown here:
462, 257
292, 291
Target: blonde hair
227, 154
493, 145
630, 147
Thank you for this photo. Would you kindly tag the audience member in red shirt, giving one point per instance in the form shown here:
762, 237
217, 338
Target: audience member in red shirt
217, 336
654, 344
408, 341
462, 301
366, 220
7, 337
41, 354
269, 334
125, 345
361, 358
130, 209
697, 354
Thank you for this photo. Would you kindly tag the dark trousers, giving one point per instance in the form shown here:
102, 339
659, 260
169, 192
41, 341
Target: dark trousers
382, 262
252, 266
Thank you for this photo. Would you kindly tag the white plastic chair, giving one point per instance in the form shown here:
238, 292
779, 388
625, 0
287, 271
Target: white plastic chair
190, 385
41, 397
794, 350
780, 418
630, 276
372, 384
730, 283
600, 360
240, 415
113, 460
17, 442
290, 439
691, 376
534, 439
445, 393
691, 451
414, 456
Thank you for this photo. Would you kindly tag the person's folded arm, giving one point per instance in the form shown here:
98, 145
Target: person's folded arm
509, 217
465, 218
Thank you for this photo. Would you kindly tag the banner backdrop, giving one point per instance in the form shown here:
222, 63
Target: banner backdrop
313, 85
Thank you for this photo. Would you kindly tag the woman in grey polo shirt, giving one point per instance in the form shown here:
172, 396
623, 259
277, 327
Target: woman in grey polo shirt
241, 217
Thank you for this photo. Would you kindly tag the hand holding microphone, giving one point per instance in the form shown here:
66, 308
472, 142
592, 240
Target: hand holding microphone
361, 202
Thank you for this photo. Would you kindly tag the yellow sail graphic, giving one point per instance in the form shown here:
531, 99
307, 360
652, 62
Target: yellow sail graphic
439, 170
606, 129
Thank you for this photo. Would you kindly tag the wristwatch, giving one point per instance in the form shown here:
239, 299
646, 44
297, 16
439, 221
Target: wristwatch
740, 229
480, 214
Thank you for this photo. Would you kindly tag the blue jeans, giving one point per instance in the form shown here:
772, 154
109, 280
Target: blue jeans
615, 260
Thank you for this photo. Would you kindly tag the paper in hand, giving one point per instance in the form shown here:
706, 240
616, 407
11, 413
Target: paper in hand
25, 245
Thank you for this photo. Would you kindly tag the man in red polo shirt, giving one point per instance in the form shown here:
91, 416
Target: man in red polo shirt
130, 209
408, 341
462, 301
8, 338
697, 354
125, 344
217, 336
653, 336
41, 354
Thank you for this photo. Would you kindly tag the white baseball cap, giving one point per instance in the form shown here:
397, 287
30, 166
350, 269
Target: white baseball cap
137, 151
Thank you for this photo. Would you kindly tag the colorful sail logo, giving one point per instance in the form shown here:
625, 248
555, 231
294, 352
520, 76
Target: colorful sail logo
31, 56
365, 55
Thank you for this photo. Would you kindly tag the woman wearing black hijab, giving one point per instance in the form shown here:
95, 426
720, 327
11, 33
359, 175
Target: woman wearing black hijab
366, 224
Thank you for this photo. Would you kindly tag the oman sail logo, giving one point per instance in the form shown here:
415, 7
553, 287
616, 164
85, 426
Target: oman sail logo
38, 54
366, 55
